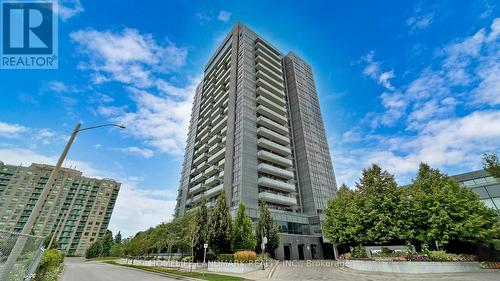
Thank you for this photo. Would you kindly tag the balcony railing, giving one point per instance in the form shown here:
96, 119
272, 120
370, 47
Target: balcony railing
274, 147
277, 199
272, 115
275, 171
270, 124
276, 184
274, 158
265, 132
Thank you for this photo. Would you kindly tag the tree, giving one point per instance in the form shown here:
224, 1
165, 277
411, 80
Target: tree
446, 211
343, 218
107, 243
201, 228
243, 235
379, 199
267, 228
55, 243
491, 164
118, 238
220, 226
94, 250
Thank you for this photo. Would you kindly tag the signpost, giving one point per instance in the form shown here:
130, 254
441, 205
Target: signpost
263, 247
205, 246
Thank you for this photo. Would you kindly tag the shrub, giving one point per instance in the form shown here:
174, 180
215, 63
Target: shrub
245, 256
443, 256
187, 259
225, 257
50, 266
359, 252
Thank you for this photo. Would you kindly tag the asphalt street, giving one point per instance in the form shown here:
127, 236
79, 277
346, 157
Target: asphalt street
77, 269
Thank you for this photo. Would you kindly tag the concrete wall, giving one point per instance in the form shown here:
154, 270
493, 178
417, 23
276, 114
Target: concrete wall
293, 241
414, 267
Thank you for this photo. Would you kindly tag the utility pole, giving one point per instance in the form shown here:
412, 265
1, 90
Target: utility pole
28, 226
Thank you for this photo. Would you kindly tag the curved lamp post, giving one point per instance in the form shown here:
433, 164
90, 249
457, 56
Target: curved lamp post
21, 240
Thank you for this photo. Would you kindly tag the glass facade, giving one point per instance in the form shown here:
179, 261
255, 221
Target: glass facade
484, 185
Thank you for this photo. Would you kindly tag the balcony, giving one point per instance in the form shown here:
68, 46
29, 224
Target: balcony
263, 56
214, 139
277, 199
270, 124
264, 84
276, 184
213, 180
217, 156
272, 105
275, 171
265, 132
194, 199
212, 170
267, 94
219, 125
204, 137
260, 44
214, 191
274, 147
221, 100
197, 188
262, 110
276, 74
276, 83
216, 148
200, 158
274, 158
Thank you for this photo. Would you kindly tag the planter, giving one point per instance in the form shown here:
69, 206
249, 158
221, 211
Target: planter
161, 263
413, 266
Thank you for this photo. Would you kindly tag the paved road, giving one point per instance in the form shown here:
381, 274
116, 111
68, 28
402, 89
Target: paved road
77, 269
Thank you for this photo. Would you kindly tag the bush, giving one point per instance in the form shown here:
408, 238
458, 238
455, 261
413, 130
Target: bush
187, 259
444, 256
50, 266
359, 252
225, 257
245, 256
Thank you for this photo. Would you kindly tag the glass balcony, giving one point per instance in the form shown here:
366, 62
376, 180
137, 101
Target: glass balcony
270, 79
274, 158
264, 84
276, 184
267, 94
265, 132
214, 191
277, 199
219, 125
212, 170
274, 147
275, 171
261, 55
272, 115
272, 105
260, 44
270, 124
197, 188
217, 156
276, 74
200, 158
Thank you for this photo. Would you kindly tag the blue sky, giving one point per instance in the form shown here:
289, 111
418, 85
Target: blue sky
399, 82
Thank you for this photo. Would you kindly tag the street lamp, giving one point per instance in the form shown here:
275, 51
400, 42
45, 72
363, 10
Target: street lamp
21, 240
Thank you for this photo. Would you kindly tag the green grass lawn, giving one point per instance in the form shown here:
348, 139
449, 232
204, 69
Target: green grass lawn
199, 275
105, 258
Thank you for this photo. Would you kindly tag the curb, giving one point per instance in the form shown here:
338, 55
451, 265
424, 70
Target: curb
271, 272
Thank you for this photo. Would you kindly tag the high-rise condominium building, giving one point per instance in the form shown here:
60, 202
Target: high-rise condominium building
78, 208
257, 134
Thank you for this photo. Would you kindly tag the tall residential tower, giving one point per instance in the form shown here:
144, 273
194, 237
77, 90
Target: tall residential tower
257, 134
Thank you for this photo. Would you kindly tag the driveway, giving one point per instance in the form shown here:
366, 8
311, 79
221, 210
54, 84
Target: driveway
77, 269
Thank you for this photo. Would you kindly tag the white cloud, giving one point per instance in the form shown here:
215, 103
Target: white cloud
67, 9
11, 130
161, 111
374, 70
136, 208
224, 16
142, 152
420, 21
127, 56
465, 74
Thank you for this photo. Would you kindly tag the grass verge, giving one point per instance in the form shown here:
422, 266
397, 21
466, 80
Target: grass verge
198, 275
105, 258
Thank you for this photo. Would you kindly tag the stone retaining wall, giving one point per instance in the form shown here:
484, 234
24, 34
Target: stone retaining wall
414, 266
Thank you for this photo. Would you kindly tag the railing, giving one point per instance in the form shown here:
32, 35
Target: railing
26, 264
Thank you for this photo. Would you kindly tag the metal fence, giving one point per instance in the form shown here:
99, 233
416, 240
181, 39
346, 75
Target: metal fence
26, 264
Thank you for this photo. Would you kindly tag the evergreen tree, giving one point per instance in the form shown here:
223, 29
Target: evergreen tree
201, 228
118, 238
220, 227
267, 228
94, 250
243, 235
107, 243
